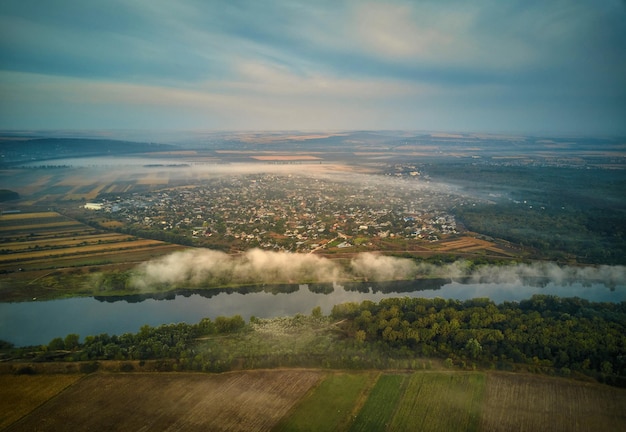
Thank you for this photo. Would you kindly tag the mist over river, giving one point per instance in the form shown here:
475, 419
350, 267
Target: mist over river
34, 323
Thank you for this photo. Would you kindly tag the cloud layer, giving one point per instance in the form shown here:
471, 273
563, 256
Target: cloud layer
485, 65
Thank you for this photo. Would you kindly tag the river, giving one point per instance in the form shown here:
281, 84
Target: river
38, 322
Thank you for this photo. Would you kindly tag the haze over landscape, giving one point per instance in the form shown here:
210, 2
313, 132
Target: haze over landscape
526, 67
374, 215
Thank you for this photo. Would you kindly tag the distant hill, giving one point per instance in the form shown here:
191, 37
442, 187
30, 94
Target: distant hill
8, 195
19, 151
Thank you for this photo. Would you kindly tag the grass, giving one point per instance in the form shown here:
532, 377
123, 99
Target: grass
330, 406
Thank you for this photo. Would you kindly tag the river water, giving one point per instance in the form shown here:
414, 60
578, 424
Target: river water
38, 322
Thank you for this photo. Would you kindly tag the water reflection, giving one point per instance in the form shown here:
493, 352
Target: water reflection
33, 323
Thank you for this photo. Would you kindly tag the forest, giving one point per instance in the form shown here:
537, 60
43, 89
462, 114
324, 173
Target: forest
562, 212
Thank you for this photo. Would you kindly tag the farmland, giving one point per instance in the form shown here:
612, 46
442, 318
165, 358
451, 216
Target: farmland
251, 401
298, 399
440, 402
45, 254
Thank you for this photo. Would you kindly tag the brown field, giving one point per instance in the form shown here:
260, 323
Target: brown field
515, 402
469, 245
244, 401
20, 394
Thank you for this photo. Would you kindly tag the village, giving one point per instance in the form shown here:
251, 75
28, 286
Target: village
290, 212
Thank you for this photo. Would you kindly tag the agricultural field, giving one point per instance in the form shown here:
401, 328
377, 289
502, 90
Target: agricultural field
473, 245
332, 405
246, 401
47, 252
555, 405
440, 402
380, 406
21, 394
309, 400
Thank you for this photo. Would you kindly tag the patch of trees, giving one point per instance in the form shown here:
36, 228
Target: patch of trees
544, 332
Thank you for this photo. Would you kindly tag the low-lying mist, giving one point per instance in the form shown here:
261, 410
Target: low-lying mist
203, 267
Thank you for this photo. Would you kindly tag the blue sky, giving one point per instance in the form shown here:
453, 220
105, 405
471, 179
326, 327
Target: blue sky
483, 65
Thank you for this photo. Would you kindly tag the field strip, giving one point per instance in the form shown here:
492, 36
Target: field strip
50, 253
97, 258
22, 216
440, 401
42, 226
64, 241
59, 234
381, 403
330, 405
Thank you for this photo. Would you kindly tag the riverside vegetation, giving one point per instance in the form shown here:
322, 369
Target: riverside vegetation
545, 334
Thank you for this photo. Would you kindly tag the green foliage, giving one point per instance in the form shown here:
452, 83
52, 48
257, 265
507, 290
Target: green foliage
71, 341
56, 344
229, 325
545, 332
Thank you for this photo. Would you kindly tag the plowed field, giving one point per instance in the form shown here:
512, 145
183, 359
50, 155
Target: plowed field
248, 401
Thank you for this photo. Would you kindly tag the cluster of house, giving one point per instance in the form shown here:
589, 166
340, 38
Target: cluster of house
290, 212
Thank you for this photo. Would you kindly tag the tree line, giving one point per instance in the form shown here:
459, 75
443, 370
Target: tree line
547, 334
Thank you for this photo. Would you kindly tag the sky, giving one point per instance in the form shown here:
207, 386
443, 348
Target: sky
520, 66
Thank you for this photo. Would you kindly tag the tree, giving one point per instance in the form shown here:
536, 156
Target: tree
473, 348
71, 341
56, 344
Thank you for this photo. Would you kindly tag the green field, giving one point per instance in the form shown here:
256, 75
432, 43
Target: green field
381, 404
331, 406
440, 402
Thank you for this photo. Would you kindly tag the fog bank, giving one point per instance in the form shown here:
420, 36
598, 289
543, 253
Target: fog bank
213, 268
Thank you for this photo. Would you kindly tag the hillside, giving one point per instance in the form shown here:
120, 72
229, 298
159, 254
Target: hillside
20, 151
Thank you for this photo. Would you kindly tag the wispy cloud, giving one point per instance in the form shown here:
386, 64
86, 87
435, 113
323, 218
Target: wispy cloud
391, 64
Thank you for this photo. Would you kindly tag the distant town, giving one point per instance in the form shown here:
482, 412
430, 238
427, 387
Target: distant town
292, 212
